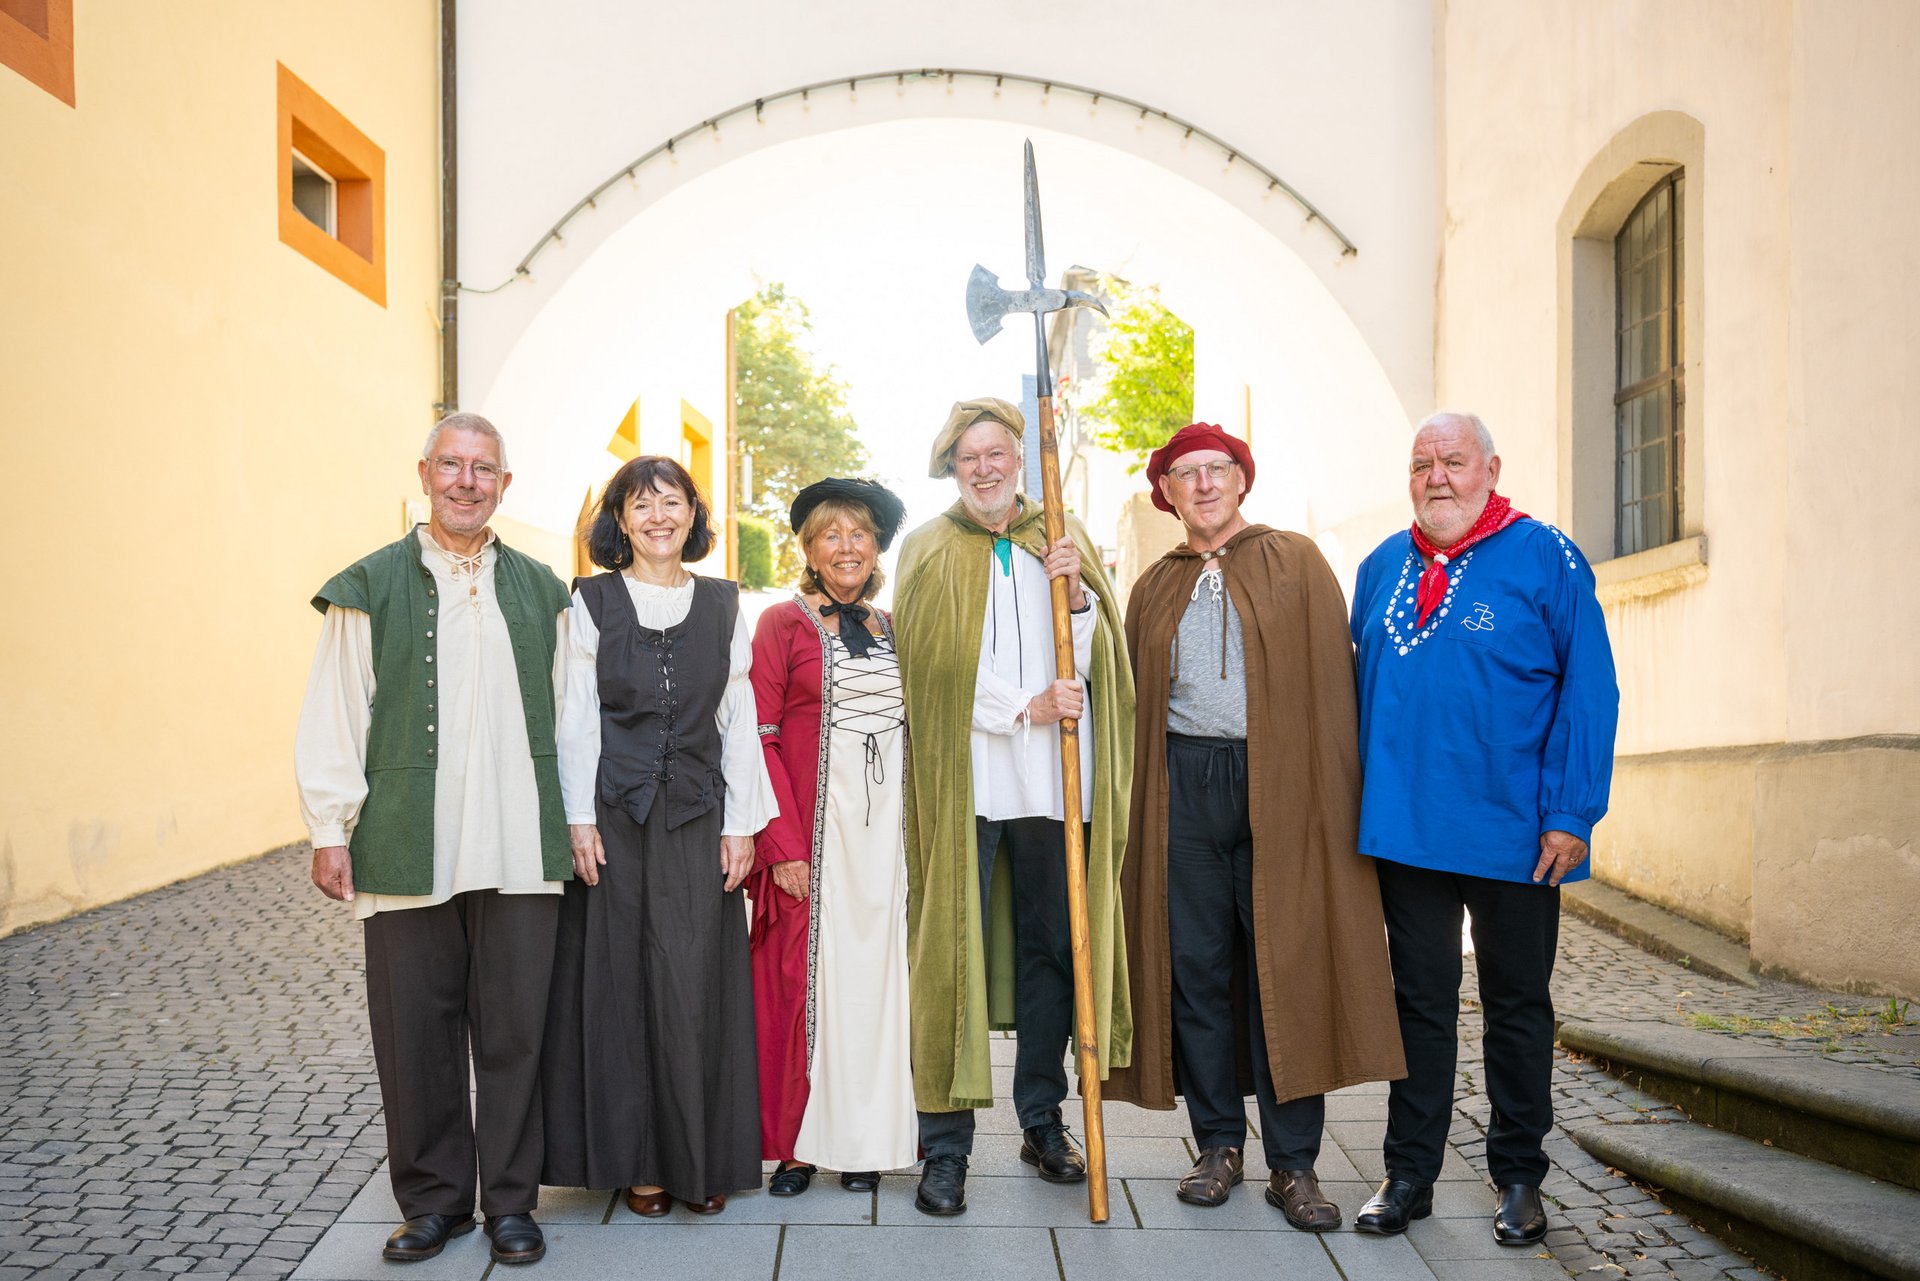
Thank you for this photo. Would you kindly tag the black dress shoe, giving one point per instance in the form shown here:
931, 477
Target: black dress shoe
1049, 1148
860, 1180
1520, 1219
1212, 1177
1297, 1194
943, 1186
424, 1236
791, 1181
1395, 1205
516, 1238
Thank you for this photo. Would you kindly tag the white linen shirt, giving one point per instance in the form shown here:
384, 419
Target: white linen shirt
486, 803
1016, 766
750, 803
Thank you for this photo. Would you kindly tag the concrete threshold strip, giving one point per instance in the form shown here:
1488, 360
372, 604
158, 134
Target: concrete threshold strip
1809, 1165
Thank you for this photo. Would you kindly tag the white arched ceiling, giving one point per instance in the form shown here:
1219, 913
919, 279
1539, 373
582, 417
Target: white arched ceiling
1337, 99
876, 228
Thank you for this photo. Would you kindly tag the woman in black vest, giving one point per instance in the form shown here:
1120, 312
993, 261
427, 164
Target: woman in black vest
649, 1071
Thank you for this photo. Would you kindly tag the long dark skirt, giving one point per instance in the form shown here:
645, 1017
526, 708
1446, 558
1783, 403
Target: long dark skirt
649, 1073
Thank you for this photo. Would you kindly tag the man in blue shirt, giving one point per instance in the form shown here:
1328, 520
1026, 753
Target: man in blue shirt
1487, 715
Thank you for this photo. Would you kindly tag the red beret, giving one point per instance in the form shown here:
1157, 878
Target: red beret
1185, 441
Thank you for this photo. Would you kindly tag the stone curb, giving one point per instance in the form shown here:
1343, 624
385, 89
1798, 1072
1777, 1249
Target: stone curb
1663, 933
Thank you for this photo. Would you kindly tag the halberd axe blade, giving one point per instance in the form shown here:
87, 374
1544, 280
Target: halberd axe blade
989, 303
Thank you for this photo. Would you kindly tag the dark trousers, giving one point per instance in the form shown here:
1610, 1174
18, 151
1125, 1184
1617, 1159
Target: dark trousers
1042, 976
472, 971
1516, 928
1209, 937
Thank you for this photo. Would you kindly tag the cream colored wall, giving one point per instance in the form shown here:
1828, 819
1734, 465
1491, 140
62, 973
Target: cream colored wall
1754, 661
1851, 518
200, 425
1527, 106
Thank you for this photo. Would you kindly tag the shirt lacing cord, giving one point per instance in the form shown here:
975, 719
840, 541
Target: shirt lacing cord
1214, 577
1019, 637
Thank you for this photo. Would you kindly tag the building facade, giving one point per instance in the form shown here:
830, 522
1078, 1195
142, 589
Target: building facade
1663, 248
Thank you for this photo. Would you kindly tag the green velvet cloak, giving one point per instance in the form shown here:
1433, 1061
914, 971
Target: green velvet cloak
961, 984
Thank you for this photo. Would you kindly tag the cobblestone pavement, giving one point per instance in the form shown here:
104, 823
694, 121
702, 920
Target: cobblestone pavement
1608, 1226
186, 1087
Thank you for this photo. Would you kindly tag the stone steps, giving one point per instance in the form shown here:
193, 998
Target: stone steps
1809, 1165
1857, 1117
1801, 1218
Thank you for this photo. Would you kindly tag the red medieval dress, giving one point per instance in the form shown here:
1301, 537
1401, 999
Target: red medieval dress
830, 970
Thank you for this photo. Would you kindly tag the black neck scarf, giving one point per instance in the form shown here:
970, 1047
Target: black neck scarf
853, 626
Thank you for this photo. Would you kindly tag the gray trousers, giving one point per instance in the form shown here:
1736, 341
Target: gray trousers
461, 985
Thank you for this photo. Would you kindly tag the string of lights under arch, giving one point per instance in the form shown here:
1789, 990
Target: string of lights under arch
627, 172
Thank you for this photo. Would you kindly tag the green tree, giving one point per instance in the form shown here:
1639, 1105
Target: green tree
756, 552
1147, 359
791, 413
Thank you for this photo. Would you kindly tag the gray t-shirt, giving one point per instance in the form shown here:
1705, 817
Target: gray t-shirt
1207, 697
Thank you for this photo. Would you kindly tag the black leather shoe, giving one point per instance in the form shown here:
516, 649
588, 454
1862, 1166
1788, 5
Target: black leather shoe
516, 1238
424, 1236
943, 1186
791, 1181
860, 1180
1521, 1219
1389, 1211
1212, 1177
1049, 1148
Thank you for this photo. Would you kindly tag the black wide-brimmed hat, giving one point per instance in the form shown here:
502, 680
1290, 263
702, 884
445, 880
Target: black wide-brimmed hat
887, 510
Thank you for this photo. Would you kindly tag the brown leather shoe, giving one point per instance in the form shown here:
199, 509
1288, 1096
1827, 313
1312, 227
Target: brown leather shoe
712, 1205
649, 1205
1296, 1194
1212, 1177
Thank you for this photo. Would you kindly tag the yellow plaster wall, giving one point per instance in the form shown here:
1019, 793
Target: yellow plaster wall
197, 426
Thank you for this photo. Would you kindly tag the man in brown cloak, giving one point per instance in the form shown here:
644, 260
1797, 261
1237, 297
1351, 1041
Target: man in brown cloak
1246, 905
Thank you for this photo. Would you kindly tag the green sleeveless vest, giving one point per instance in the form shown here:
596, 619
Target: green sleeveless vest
392, 844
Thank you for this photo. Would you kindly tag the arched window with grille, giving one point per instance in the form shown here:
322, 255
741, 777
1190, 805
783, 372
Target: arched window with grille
1649, 400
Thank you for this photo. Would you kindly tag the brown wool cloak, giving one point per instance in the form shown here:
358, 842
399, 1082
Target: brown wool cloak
1326, 992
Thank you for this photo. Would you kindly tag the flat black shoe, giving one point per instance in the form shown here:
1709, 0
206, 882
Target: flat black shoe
1521, 1219
943, 1186
516, 1238
791, 1181
1395, 1205
1050, 1149
424, 1236
859, 1180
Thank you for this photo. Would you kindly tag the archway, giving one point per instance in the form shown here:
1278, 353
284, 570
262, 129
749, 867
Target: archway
876, 227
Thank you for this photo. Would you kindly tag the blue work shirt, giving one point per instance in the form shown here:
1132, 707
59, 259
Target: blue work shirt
1493, 723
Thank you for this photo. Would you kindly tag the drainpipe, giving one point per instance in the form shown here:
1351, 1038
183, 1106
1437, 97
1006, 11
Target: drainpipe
449, 219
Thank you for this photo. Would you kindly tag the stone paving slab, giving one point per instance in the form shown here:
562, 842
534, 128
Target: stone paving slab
926, 1253
186, 1087
1088, 1254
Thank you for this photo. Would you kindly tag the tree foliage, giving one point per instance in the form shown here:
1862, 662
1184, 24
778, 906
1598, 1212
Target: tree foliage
1147, 355
756, 553
791, 414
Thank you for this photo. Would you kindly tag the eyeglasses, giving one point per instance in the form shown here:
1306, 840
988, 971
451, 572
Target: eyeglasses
993, 458
451, 467
1218, 469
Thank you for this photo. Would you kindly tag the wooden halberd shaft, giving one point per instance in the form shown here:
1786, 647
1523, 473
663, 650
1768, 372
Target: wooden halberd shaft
1085, 1034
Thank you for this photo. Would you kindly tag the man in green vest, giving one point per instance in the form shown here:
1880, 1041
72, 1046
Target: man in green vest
431, 789
974, 624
